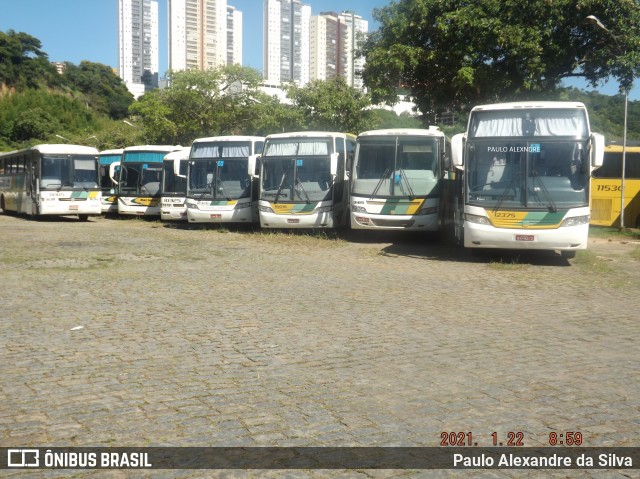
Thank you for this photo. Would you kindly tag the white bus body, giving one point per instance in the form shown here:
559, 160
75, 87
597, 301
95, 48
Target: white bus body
221, 183
138, 179
50, 180
174, 185
397, 178
523, 176
304, 180
109, 201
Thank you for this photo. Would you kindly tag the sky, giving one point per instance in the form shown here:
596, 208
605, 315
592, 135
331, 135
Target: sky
76, 30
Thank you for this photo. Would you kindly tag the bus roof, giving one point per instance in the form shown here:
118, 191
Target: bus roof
65, 149
181, 154
530, 104
229, 138
311, 134
432, 131
166, 148
115, 151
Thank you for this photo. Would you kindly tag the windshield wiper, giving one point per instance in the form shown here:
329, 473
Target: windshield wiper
547, 195
207, 187
220, 187
299, 184
382, 178
403, 175
280, 186
503, 196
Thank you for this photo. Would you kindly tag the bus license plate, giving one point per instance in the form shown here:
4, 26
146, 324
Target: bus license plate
293, 220
525, 237
217, 216
75, 207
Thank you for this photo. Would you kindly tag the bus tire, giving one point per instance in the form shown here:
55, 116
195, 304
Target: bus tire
2, 205
83, 217
568, 254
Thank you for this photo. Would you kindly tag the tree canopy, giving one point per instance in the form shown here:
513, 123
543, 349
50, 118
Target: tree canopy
455, 54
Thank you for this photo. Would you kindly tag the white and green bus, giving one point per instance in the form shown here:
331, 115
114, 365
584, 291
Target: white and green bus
397, 178
174, 185
222, 186
304, 180
138, 179
107, 186
50, 180
523, 175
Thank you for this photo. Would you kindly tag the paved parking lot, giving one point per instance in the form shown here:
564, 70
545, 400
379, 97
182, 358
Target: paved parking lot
126, 332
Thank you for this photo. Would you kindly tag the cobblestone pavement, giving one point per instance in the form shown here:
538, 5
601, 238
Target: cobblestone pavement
210, 337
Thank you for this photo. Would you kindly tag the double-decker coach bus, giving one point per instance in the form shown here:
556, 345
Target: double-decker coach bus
396, 179
107, 186
174, 185
50, 180
221, 183
138, 179
524, 174
304, 179
606, 187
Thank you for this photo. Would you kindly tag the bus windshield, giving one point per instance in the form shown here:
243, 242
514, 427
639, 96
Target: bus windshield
397, 167
219, 170
172, 183
74, 171
297, 179
140, 178
546, 174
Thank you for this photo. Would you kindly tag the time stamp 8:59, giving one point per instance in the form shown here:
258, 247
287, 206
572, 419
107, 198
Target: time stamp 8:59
510, 439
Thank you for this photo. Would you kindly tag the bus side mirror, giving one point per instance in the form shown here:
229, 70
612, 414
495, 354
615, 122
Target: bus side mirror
597, 149
334, 164
457, 149
177, 166
112, 171
252, 165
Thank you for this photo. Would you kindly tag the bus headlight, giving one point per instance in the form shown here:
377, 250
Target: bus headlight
193, 206
477, 219
428, 211
575, 221
323, 209
265, 209
358, 209
239, 206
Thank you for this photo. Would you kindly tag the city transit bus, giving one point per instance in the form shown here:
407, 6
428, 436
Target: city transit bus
138, 178
222, 186
397, 178
304, 180
174, 185
606, 187
522, 176
57, 179
107, 186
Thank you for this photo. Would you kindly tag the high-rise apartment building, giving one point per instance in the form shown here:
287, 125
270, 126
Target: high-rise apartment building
203, 34
286, 41
335, 39
138, 44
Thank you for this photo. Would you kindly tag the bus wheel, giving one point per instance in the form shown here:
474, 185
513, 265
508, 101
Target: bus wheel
568, 254
83, 217
2, 204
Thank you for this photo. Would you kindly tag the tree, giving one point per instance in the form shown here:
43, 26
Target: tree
103, 89
456, 54
332, 105
201, 103
22, 62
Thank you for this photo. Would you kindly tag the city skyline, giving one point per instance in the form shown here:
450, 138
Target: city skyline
68, 31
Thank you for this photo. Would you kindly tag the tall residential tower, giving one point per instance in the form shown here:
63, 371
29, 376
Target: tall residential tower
138, 44
204, 34
285, 44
